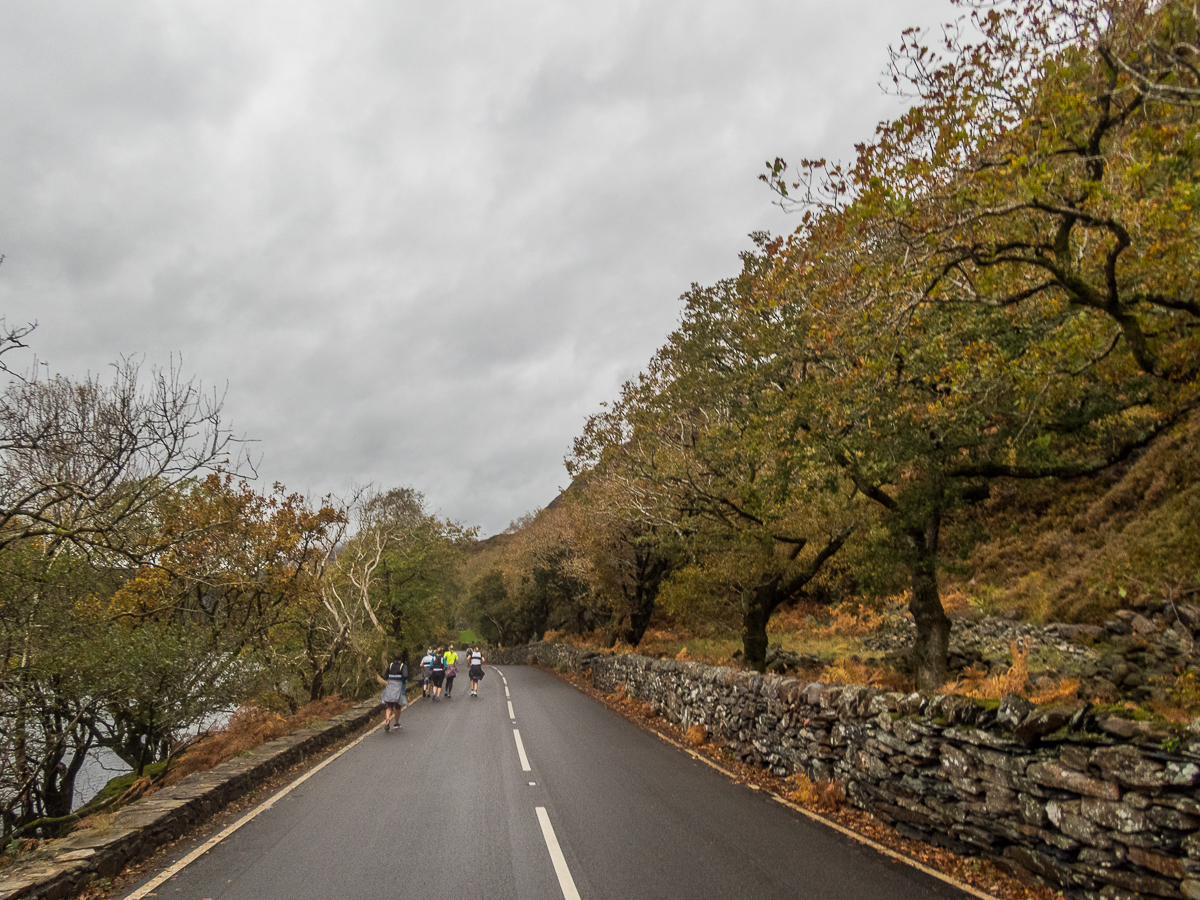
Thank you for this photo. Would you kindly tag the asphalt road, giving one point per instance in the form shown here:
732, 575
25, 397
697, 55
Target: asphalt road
551, 798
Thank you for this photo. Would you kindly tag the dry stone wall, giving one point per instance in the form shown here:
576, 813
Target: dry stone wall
1037, 790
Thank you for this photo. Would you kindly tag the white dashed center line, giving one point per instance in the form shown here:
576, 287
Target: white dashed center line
565, 881
521, 752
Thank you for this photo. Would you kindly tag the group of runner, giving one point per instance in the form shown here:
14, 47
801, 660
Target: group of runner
439, 668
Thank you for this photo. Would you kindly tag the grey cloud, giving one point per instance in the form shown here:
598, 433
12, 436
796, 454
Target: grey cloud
420, 242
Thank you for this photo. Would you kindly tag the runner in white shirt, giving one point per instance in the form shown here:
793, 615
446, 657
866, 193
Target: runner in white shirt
476, 671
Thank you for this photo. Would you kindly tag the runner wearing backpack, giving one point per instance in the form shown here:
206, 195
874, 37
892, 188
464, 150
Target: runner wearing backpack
476, 670
437, 674
426, 662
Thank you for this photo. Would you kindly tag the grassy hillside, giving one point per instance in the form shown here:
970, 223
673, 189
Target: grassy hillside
1077, 551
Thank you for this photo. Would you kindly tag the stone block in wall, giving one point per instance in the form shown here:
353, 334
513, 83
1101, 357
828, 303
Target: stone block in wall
923, 752
1042, 722
1041, 864
1000, 801
1099, 862
1052, 773
1075, 757
1056, 809
1139, 884
1156, 862
1136, 800
1013, 763
843, 734
875, 748
974, 837
746, 682
1128, 765
869, 764
1161, 840
1162, 817
956, 763
1031, 835
883, 703
1084, 831
982, 738
947, 813
911, 732
1033, 809
1012, 711
953, 709
1115, 816
890, 741
907, 785
1183, 803
854, 702
1191, 845
913, 812
1182, 774
820, 770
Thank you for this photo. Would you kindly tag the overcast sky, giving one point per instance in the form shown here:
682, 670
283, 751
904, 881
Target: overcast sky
418, 240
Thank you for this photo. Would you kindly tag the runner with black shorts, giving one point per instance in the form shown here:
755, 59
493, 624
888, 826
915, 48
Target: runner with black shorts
437, 674
476, 671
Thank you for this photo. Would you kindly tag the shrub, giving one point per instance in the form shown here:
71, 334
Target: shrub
819, 796
247, 728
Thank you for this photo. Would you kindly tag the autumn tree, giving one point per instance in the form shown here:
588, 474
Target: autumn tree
387, 585
84, 463
47, 698
84, 467
994, 287
191, 631
624, 558
709, 445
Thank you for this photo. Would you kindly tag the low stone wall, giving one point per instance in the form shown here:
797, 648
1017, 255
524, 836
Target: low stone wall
61, 868
554, 656
1045, 790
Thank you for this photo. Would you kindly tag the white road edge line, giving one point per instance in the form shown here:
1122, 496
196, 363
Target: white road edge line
521, 752
146, 889
565, 881
853, 835
511, 714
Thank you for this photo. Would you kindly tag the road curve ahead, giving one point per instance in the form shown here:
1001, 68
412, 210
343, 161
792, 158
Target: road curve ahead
532, 791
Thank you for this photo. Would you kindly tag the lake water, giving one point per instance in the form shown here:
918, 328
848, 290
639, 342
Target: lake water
98, 769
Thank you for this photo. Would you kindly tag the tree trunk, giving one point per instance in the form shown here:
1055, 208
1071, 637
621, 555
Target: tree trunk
651, 571
316, 689
754, 624
769, 595
932, 644
610, 632
639, 617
